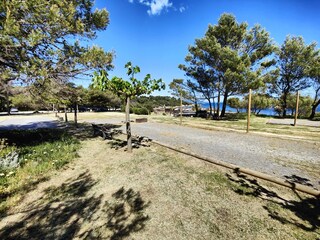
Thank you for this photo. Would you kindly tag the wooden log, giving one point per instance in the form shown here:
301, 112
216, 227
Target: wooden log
273, 179
141, 120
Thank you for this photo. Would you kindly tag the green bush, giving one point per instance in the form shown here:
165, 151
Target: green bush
123, 109
140, 111
236, 116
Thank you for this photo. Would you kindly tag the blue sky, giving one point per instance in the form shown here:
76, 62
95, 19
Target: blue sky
155, 34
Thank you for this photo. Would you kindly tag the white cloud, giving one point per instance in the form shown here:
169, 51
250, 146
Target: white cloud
156, 6
182, 9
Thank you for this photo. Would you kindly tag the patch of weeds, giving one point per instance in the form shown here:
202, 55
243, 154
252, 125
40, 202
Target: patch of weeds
37, 159
214, 179
256, 225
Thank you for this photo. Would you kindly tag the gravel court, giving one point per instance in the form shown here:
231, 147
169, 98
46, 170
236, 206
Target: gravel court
257, 152
27, 122
260, 153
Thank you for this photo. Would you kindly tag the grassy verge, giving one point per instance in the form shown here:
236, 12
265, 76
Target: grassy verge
258, 124
155, 193
39, 153
204, 201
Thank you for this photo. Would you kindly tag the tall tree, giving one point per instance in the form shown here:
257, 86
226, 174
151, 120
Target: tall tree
177, 89
293, 59
202, 79
314, 74
101, 99
39, 40
234, 56
127, 90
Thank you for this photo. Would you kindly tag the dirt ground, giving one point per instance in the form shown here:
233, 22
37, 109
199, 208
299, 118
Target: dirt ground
155, 194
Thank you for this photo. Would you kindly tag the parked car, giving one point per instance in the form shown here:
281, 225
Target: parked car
14, 110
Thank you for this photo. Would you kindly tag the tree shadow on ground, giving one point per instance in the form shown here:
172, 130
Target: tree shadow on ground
22, 138
87, 131
70, 211
137, 142
305, 209
300, 180
124, 214
33, 137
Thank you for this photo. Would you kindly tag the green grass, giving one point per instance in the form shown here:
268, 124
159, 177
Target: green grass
40, 153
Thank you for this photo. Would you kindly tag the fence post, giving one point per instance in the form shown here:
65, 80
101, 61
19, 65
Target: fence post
297, 110
249, 111
180, 108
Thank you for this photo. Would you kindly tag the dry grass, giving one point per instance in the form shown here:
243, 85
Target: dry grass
155, 193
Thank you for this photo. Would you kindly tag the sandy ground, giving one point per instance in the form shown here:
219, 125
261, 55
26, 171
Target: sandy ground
150, 194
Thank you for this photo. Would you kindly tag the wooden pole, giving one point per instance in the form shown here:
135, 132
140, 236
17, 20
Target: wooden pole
180, 109
249, 111
76, 115
297, 110
128, 127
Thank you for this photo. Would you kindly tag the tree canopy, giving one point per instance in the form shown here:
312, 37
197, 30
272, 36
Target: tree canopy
229, 59
41, 40
294, 59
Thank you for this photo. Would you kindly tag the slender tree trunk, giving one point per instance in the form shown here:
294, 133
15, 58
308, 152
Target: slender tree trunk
180, 109
314, 108
8, 103
296, 110
224, 104
76, 114
219, 100
284, 105
65, 114
196, 106
210, 106
128, 127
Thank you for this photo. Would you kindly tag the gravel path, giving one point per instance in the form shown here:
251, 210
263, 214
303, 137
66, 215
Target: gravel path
29, 122
275, 156
300, 122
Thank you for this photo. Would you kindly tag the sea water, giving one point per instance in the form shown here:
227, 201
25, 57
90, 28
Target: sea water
267, 111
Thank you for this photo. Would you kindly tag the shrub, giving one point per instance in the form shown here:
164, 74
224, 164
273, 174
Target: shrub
140, 111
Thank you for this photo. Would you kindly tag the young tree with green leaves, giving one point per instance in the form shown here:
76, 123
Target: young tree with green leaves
127, 90
293, 61
230, 58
